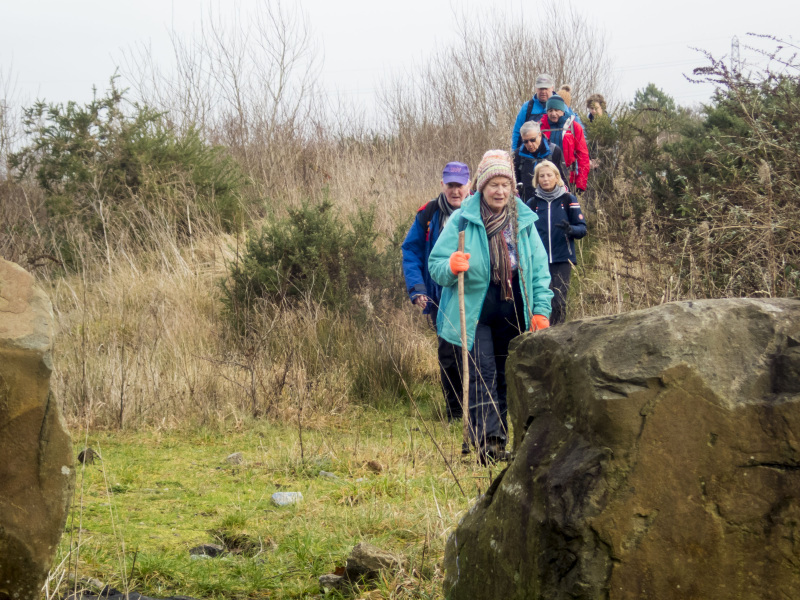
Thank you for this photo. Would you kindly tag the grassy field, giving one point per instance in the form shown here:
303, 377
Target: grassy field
154, 495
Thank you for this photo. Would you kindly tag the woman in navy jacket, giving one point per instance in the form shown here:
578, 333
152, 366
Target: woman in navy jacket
560, 223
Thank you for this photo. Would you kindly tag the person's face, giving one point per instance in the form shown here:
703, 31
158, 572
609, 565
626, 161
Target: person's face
547, 179
596, 110
455, 193
532, 141
497, 193
553, 114
543, 94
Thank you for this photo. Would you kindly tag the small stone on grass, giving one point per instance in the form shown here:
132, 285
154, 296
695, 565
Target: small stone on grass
235, 459
208, 550
286, 498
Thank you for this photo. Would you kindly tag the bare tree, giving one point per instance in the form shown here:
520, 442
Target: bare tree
247, 82
9, 119
473, 90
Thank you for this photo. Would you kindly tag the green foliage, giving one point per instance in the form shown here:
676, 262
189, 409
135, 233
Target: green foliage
724, 183
309, 255
645, 129
99, 161
140, 541
344, 284
601, 130
653, 98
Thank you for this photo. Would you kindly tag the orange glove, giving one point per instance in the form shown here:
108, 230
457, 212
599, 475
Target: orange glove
539, 322
459, 262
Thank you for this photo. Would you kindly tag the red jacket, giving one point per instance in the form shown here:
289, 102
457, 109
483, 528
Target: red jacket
576, 154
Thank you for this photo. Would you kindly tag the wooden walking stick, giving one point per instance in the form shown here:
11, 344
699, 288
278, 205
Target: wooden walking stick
462, 312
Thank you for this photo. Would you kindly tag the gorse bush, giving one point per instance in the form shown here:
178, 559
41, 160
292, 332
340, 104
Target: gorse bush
311, 254
740, 186
722, 185
99, 163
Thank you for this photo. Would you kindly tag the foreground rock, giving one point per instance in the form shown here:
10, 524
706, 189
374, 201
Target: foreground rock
657, 456
36, 465
368, 562
365, 563
109, 593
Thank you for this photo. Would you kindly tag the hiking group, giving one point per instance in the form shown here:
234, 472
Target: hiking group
518, 223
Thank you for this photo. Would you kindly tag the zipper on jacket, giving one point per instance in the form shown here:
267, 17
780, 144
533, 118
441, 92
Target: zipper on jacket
549, 234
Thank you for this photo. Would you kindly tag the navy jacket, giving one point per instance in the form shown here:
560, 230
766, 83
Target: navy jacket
417, 247
559, 244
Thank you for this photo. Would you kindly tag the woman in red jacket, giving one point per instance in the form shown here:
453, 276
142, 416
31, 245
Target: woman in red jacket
568, 134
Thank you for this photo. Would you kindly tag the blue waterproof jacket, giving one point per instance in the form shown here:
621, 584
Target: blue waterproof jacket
536, 115
559, 243
416, 248
535, 281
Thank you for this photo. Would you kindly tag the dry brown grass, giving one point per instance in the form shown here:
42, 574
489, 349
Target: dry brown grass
145, 343
142, 337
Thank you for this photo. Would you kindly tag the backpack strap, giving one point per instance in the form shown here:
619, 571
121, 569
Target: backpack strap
568, 125
529, 112
428, 209
425, 215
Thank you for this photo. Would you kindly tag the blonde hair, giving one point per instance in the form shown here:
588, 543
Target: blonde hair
546, 164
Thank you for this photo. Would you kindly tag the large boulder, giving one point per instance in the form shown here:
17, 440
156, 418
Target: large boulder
656, 456
36, 466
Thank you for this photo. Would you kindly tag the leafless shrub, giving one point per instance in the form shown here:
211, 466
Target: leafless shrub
247, 84
466, 97
22, 215
10, 119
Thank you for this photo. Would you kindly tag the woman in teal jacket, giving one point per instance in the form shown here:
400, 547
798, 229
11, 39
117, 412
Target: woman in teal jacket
506, 285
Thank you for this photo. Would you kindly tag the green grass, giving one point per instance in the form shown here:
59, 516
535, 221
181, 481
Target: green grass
156, 494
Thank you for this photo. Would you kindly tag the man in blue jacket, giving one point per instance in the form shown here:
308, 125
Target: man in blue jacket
423, 291
534, 109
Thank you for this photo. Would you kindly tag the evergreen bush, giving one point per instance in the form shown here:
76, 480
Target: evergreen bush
723, 184
100, 163
311, 254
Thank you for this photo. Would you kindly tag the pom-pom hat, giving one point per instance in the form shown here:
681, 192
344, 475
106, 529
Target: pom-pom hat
495, 163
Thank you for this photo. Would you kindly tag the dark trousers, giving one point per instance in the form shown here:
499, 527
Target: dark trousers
450, 374
559, 283
499, 323
452, 386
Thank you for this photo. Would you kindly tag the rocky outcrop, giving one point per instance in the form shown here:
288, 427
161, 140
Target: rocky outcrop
36, 466
656, 456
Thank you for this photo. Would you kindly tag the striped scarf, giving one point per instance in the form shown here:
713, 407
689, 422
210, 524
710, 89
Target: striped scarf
498, 249
445, 208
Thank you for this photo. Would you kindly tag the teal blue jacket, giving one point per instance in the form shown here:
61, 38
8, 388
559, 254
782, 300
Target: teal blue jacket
532, 259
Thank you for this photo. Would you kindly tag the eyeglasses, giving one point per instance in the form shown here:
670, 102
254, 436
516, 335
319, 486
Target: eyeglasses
531, 140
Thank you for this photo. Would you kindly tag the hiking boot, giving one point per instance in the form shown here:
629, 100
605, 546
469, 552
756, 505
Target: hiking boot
465, 449
493, 452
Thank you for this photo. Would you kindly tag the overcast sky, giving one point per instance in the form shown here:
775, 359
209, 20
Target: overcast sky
58, 49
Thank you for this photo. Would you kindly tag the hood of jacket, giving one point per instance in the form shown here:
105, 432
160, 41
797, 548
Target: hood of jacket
541, 152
